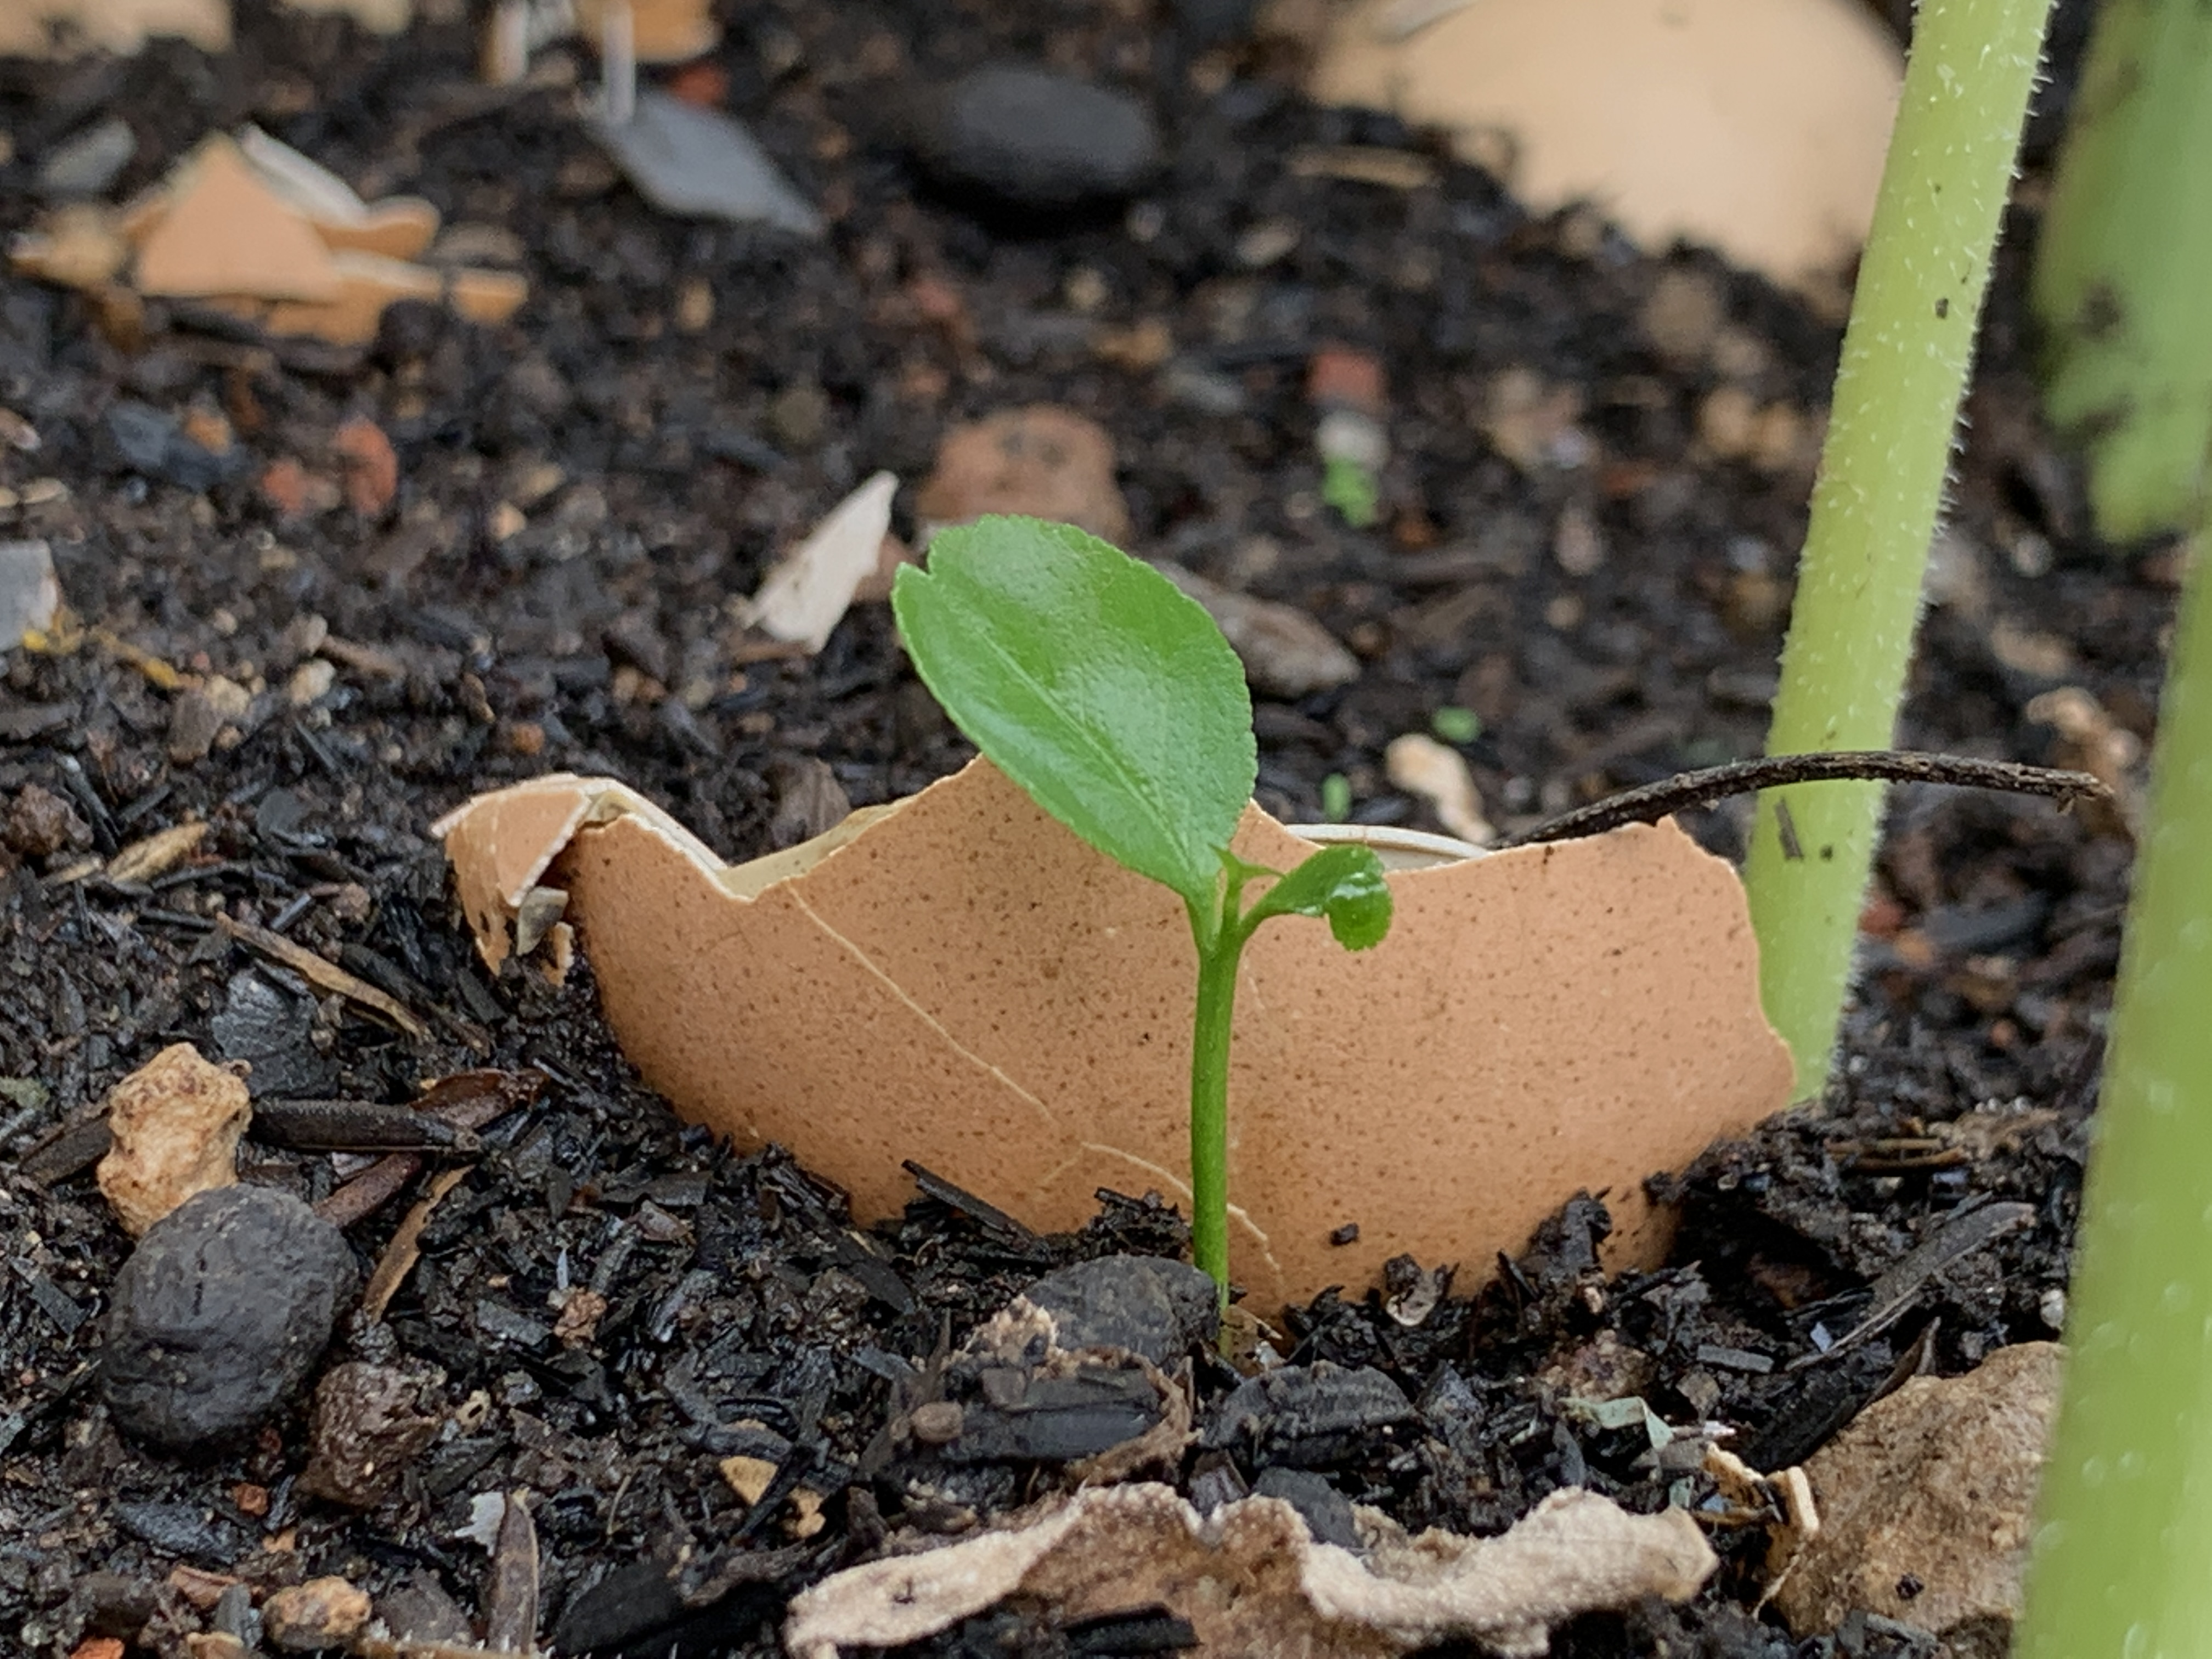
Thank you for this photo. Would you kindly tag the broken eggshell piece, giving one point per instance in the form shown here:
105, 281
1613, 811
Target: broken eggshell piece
955, 978
1251, 1579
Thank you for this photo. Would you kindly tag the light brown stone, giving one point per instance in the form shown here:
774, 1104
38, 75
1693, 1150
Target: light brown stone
323, 1612
1927, 1502
1043, 460
176, 1122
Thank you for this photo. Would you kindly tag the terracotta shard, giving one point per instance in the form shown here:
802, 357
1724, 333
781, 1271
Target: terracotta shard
955, 978
226, 233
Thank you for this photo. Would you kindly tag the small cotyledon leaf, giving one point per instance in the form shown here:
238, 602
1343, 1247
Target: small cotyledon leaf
1088, 679
1344, 883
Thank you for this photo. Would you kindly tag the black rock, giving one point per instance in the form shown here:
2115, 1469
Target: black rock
189, 1531
146, 440
1028, 138
220, 1314
273, 1031
1144, 1304
1307, 1416
1326, 1511
1054, 1420
1204, 23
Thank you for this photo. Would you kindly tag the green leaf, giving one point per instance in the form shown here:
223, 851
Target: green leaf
1087, 678
1344, 883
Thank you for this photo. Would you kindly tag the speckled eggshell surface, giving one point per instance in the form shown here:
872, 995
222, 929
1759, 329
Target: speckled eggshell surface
964, 984
1754, 126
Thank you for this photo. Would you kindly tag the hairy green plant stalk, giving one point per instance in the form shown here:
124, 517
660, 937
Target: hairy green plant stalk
1213, 1022
2124, 271
1905, 356
2122, 1559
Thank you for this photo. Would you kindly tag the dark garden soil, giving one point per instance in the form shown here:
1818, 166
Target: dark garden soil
661, 456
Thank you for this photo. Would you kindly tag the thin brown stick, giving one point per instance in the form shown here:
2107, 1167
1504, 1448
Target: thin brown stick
1654, 801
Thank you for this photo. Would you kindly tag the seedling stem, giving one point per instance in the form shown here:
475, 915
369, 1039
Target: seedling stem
1905, 356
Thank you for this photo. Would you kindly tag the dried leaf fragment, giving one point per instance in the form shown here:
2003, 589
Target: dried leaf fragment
1250, 1579
1419, 764
810, 590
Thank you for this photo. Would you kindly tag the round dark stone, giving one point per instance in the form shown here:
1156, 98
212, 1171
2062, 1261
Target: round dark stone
1024, 137
1144, 1304
1209, 22
220, 1314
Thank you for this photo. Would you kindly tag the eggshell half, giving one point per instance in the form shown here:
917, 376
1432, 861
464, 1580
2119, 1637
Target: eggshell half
958, 980
1757, 127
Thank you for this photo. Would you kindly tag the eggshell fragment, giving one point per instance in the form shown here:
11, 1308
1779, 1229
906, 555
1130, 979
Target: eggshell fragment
1756, 126
955, 978
661, 30
226, 233
63, 28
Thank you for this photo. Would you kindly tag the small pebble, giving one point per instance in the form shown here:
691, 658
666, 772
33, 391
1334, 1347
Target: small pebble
30, 593
146, 441
87, 163
1204, 23
1683, 314
1308, 1416
700, 164
1030, 138
1148, 1305
39, 822
370, 467
1438, 774
367, 1429
176, 1122
323, 1612
197, 720
1043, 460
1286, 653
1576, 542
221, 1314
1326, 1511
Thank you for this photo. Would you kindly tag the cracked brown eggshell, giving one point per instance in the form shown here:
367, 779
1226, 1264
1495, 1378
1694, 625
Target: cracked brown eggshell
1754, 126
957, 978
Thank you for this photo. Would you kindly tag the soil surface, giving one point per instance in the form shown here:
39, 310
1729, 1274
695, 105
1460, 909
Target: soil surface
1578, 543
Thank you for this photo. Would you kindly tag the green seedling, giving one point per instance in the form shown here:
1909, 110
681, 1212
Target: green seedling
1335, 798
2124, 1533
2123, 266
1456, 725
1087, 678
1351, 488
1906, 351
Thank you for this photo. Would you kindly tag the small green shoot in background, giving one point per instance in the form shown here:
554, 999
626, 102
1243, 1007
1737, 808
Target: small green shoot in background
1906, 351
1335, 798
1087, 678
2122, 1557
1351, 488
1456, 725
2123, 268
2123, 278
